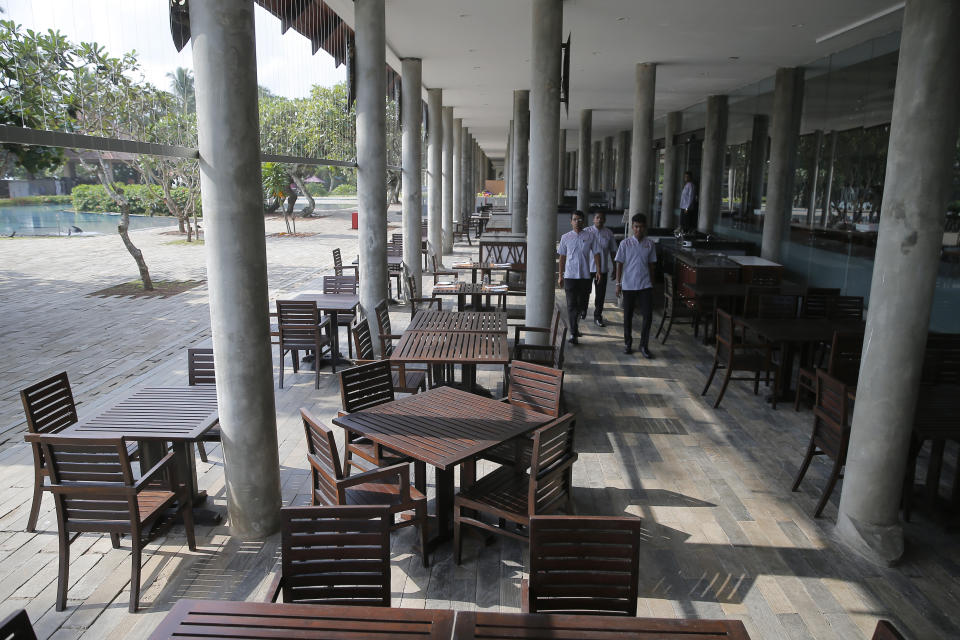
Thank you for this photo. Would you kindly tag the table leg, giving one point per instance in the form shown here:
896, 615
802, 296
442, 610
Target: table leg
443, 479
334, 341
186, 466
934, 468
461, 301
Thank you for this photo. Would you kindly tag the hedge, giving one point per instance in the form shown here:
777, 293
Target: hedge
144, 199
28, 200
344, 190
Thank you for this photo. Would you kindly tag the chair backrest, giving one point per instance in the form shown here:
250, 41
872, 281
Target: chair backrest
412, 288
845, 352
434, 262
337, 262
200, 367
340, 284
17, 626
382, 312
555, 323
751, 304
558, 348
725, 338
817, 305
777, 306
941, 359
535, 387
584, 564
362, 340
886, 631
49, 405
669, 293
325, 467
830, 415
552, 450
298, 321
846, 307
335, 555
366, 385
822, 291
91, 481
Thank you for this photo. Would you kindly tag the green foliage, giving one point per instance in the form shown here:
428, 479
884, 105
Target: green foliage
28, 200
144, 199
276, 182
344, 190
316, 189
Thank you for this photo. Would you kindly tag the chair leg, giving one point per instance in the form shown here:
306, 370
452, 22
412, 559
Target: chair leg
37, 497
828, 489
804, 465
281, 367
663, 317
756, 383
202, 451
667, 334
420, 476
713, 371
457, 539
135, 573
187, 512
421, 515
350, 342
723, 389
63, 576
115, 540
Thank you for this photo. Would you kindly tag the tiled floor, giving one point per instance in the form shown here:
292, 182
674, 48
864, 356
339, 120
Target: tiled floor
725, 536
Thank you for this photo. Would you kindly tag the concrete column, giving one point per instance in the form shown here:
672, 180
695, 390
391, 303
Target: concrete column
544, 146
562, 166
411, 164
434, 170
758, 161
787, 109
714, 147
520, 160
583, 156
641, 167
920, 156
572, 171
596, 164
671, 166
621, 170
828, 192
813, 172
608, 164
507, 166
447, 176
224, 60
466, 144
458, 140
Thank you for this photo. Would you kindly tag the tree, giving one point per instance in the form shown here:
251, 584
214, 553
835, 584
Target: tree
181, 83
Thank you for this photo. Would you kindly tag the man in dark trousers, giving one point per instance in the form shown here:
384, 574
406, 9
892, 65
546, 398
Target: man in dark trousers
576, 253
635, 259
605, 246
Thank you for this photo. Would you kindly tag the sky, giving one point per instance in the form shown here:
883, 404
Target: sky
284, 63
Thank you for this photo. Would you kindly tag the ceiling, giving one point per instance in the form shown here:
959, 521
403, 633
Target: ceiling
478, 52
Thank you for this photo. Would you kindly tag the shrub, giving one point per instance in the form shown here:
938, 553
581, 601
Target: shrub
27, 200
344, 190
144, 199
316, 189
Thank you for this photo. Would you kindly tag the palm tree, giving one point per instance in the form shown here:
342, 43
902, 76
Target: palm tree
181, 83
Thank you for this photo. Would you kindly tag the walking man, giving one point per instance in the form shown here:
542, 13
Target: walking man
635, 258
688, 202
604, 246
576, 253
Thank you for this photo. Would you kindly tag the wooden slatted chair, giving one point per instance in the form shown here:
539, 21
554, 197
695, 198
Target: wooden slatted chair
405, 378
843, 364
387, 336
733, 354
386, 486
847, 308
509, 495
436, 271
95, 491
674, 310
334, 555
17, 626
777, 306
550, 354
816, 305
301, 329
533, 387
200, 371
342, 284
831, 432
583, 565
416, 302
339, 267
751, 303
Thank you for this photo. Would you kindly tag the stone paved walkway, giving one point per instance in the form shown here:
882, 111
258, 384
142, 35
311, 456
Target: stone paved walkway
725, 536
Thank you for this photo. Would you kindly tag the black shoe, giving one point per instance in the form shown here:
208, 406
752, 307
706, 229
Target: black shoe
583, 315
628, 349
646, 353
573, 340
599, 322
576, 333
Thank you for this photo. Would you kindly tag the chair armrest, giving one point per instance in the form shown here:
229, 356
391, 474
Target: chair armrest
401, 470
149, 476
275, 586
517, 328
429, 301
525, 596
555, 473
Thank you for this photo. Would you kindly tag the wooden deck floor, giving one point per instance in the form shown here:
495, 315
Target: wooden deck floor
725, 536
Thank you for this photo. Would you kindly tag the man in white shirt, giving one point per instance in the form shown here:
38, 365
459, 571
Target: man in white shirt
635, 259
604, 246
688, 202
576, 255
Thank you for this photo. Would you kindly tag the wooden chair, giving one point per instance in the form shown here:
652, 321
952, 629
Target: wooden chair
550, 354
733, 354
200, 371
831, 432
886, 631
751, 303
342, 284
16, 626
387, 486
509, 495
416, 302
436, 271
847, 308
302, 330
338, 266
816, 305
405, 379
843, 364
533, 387
822, 291
673, 309
583, 565
387, 336
95, 491
777, 306
337, 555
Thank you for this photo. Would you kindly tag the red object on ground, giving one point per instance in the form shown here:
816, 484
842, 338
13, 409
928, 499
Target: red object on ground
354, 224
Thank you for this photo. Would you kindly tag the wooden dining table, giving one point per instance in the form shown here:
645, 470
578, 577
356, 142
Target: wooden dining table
154, 416
214, 619
463, 321
485, 268
443, 350
332, 304
443, 427
476, 291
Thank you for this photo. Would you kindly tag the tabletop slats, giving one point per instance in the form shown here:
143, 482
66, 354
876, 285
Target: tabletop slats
159, 413
434, 347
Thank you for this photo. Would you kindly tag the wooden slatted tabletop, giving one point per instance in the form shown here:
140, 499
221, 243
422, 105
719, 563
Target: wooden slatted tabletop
447, 347
168, 414
330, 302
484, 624
224, 619
472, 321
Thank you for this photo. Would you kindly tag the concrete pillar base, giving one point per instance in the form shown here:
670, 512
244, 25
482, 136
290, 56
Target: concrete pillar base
880, 544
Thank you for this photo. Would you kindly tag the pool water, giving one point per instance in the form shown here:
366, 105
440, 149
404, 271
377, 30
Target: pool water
57, 220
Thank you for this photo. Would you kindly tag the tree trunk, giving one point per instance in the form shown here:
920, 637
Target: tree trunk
272, 207
124, 225
307, 210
